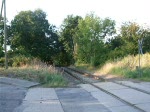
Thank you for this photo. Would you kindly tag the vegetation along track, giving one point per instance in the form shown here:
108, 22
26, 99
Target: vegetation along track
88, 78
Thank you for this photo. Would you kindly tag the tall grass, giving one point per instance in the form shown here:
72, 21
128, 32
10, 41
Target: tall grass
37, 71
128, 67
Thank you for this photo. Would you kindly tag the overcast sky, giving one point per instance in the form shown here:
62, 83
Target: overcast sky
57, 10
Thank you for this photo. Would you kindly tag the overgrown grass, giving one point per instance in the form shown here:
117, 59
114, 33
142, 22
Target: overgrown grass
86, 67
37, 71
128, 67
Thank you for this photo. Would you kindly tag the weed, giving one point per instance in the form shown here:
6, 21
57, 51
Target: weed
36, 71
128, 67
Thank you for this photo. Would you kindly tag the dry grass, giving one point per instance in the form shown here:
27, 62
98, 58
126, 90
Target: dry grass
36, 71
127, 66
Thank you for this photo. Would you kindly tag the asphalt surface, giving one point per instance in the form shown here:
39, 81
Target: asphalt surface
11, 96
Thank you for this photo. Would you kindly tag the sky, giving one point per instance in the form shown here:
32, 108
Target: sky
56, 10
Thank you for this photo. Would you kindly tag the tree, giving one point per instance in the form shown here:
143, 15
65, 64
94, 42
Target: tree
67, 37
32, 34
114, 47
126, 42
91, 35
146, 40
2, 36
130, 33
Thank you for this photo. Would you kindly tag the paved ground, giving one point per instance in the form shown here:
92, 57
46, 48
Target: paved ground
12, 92
17, 82
10, 97
15, 97
134, 97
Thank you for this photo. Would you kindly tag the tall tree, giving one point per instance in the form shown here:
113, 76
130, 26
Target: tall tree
67, 36
130, 33
146, 40
32, 34
91, 35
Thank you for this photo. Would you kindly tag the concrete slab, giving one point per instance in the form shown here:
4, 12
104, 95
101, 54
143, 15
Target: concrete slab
132, 96
110, 86
79, 100
74, 94
145, 83
6, 109
8, 88
90, 106
9, 103
12, 94
41, 94
123, 109
17, 82
107, 100
102, 97
40, 100
88, 87
145, 106
40, 106
115, 105
142, 85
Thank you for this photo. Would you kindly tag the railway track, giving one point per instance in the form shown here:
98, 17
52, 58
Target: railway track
102, 79
88, 78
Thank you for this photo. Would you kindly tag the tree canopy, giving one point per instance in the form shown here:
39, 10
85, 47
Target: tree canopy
32, 34
91, 40
67, 37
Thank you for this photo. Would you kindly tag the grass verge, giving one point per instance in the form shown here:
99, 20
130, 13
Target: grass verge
143, 74
128, 67
46, 75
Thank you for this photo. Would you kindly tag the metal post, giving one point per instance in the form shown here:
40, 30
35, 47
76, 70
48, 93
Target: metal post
5, 35
139, 69
140, 42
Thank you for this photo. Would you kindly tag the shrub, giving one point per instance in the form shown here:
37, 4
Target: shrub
20, 60
2, 62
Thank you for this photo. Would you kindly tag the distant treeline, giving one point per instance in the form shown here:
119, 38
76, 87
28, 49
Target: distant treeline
89, 40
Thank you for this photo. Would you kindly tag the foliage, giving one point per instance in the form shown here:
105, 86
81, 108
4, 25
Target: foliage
146, 40
2, 61
20, 60
130, 33
90, 39
31, 33
128, 73
127, 41
51, 80
67, 38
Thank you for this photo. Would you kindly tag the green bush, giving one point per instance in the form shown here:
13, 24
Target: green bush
51, 80
20, 60
2, 62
